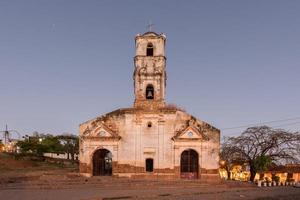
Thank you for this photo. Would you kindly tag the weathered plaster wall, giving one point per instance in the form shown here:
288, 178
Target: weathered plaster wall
138, 142
158, 42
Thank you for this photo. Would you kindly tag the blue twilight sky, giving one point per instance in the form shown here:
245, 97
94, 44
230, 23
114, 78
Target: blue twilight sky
230, 63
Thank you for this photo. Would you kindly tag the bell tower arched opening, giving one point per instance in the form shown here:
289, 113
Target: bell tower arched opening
150, 92
150, 50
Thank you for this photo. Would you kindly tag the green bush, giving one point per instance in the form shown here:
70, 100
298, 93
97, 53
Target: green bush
275, 178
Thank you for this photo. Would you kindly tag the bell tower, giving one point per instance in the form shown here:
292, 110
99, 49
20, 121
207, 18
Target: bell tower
150, 70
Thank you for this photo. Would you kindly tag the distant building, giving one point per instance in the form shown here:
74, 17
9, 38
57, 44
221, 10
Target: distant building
60, 156
285, 173
151, 139
11, 146
1, 147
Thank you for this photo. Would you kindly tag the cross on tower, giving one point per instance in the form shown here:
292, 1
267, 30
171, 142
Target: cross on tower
150, 25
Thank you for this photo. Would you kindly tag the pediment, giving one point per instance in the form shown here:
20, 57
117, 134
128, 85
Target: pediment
189, 133
101, 131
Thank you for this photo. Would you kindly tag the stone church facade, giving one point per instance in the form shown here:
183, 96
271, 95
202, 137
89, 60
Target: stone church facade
150, 139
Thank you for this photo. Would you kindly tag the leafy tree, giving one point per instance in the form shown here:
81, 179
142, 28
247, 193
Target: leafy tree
261, 163
51, 144
70, 144
27, 146
261, 145
48, 143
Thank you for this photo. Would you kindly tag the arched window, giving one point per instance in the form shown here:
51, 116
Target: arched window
149, 50
149, 92
149, 165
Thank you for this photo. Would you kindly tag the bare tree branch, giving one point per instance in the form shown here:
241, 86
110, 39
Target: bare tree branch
263, 141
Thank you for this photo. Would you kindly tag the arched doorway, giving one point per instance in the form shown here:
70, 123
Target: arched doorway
102, 163
189, 164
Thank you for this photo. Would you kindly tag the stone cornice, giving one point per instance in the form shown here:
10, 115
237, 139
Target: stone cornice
151, 34
98, 138
135, 57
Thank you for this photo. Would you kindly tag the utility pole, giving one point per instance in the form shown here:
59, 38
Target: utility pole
7, 133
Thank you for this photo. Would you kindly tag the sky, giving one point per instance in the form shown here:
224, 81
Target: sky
229, 63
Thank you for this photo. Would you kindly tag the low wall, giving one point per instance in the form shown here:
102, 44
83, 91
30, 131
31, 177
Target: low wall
126, 170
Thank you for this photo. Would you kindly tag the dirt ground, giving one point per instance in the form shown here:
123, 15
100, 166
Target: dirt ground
41, 181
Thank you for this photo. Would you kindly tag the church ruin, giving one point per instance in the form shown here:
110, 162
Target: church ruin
150, 139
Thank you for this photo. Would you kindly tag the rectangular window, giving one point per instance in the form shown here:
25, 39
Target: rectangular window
149, 165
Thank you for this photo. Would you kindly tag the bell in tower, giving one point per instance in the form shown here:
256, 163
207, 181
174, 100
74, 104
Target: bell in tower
149, 73
149, 92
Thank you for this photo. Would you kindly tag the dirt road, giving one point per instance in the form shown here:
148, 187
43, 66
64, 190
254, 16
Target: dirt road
63, 187
39, 181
